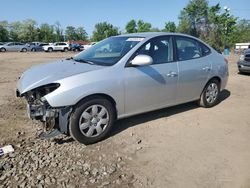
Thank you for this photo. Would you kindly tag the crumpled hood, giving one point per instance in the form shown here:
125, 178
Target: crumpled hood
43, 74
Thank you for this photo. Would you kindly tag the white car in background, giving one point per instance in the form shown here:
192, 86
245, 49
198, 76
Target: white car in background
87, 46
58, 46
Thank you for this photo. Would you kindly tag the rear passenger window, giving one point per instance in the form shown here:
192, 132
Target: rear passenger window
205, 50
187, 48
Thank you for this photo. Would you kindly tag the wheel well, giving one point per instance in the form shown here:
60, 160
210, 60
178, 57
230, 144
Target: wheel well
215, 78
100, 95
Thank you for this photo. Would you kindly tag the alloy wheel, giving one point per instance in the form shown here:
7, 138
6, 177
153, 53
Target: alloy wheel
212, 93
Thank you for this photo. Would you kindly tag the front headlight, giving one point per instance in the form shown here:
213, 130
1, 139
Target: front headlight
242, 57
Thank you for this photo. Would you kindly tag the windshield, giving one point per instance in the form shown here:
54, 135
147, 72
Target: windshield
108, 52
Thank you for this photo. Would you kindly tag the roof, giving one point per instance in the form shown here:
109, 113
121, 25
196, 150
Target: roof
151, 34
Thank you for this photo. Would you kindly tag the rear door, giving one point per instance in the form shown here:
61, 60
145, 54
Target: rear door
194, 68
153, 86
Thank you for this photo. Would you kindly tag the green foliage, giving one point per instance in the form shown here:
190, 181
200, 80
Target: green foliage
170, 27
243, 31
208, 23
104, 30
143, 26
139, 27
192, 16
72, 33
4, 31
131, 27
28, 30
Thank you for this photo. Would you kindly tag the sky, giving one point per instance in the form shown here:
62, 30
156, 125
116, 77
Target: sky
87, 13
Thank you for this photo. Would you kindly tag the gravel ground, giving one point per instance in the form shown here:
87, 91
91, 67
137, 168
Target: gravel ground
182, 146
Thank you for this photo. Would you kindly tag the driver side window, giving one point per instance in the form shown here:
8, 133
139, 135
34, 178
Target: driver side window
160, 49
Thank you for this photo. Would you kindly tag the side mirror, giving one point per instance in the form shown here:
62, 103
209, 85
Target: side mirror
142, 60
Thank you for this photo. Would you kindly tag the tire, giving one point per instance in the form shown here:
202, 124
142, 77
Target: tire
95, 114
24, 50
3, 50
210, 94
65, 49
50, 49
33, 49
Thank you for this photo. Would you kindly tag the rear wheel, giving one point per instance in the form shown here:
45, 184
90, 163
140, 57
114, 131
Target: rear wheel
3, 50
210, 94
50, 49
66, 49
92, 120
33, 49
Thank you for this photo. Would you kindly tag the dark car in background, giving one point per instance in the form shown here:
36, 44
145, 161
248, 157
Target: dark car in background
37, 47
244, 62
76, 47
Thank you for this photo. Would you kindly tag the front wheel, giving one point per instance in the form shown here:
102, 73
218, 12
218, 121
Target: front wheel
92, 120
24, 50
210, 94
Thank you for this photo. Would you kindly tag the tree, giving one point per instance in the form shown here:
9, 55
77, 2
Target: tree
208, 23
104, 30
131, 27
27, 30
195, 13
14, 31
170, 27
4, 31
58, 35
81, 34
243, 31
46, 33
70, 33
143, 26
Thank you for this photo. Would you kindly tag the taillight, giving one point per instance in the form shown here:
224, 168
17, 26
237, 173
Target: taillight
226, 60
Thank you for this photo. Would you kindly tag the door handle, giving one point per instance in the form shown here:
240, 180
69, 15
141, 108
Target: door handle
206, 68
172, 74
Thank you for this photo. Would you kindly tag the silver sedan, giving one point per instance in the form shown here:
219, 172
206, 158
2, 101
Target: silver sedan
14, 47
119, 77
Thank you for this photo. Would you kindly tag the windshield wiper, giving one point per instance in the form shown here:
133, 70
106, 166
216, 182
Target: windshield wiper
80, 60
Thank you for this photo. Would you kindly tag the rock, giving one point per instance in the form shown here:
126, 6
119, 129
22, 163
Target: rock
104, 184
7, 166
11, 155
40, 177
111, 169
92, 180
23, 185
47, 180
95, 172
119, 159
138, 148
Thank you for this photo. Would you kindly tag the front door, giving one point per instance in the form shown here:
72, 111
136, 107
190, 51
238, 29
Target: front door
153, 86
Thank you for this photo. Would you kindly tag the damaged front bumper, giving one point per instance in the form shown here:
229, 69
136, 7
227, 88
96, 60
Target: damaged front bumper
54, 120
